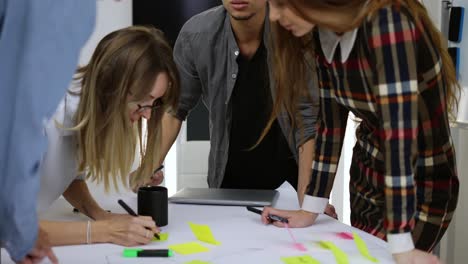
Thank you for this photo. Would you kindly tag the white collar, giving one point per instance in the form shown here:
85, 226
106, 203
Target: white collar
329, 41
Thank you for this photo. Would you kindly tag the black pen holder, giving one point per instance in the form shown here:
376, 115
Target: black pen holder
152, 201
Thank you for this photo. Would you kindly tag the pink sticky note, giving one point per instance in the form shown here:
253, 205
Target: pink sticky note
296, 245
300, 247
345, 235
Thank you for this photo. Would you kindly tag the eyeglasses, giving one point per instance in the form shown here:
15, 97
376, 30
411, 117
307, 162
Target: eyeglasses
156, 104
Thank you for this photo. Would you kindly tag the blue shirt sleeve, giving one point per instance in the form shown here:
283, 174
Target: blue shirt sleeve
40, 43
2, 13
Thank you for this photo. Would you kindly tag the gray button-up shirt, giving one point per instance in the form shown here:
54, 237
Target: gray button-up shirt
205, 53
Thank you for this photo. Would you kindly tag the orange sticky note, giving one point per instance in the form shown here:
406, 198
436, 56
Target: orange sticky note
203, 233
305, 259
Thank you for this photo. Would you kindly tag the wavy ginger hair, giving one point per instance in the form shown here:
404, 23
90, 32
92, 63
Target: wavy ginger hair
125, 62
289, 65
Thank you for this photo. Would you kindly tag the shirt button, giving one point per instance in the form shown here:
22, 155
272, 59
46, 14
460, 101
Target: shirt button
234, 75
236, 53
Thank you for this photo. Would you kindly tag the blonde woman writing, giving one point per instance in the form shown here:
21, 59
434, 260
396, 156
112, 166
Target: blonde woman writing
96, 129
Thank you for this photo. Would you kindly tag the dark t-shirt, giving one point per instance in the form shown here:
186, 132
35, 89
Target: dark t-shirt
271, 163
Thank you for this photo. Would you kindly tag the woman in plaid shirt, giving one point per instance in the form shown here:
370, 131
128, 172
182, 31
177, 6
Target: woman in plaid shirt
388, 67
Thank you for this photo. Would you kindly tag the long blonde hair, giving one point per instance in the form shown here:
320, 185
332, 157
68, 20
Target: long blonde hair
340, 16
125, 61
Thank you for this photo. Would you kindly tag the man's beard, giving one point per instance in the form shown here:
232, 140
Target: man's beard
243, 18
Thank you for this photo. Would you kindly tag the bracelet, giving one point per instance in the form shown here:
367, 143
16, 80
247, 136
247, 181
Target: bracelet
88, 233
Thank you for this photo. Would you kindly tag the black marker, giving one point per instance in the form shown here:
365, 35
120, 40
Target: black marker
154, 172
131, 212
270, 216
158, 169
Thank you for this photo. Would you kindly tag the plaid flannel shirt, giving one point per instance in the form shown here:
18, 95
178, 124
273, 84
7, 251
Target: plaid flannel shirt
393, 82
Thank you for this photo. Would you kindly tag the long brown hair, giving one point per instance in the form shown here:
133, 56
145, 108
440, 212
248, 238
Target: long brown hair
124, 62
340, 16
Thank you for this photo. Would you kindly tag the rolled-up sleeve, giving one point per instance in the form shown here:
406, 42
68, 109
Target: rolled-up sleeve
190, 90
308, 106
307, 110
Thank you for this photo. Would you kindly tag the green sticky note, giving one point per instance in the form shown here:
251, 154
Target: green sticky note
361, 245
162, 236
340, 255
203, 233
188, 248
197, 262
306, 259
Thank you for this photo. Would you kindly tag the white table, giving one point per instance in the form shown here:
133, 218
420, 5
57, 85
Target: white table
244, 238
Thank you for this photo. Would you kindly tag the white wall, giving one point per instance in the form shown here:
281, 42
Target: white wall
110, 16
192, 161
340, 194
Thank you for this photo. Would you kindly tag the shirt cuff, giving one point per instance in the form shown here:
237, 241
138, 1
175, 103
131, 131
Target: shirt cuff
179, 114
399, 243
314, 204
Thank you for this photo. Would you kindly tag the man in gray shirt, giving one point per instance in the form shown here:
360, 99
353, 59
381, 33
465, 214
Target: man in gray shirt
213, 52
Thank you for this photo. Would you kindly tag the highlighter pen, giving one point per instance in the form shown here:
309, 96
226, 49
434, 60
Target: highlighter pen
146, 253
270, 216
131, 212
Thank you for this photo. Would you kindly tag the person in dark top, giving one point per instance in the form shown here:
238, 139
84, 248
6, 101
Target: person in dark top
270, 163
223, 58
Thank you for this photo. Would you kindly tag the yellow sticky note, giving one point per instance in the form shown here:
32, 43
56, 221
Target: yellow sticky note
306, 259
340, 255
188, 248
162, 237
203, 233
197, 262
361, 245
